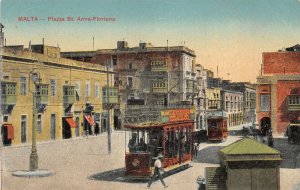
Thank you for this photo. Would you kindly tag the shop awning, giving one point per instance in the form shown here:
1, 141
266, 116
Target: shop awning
10, 131
89, 119
71, 122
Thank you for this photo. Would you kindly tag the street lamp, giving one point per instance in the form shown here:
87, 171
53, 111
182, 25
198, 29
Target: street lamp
35, 94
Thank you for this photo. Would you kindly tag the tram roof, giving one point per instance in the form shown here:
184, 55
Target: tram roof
156, 124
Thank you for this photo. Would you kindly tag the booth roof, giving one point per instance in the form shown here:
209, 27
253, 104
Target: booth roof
248, 146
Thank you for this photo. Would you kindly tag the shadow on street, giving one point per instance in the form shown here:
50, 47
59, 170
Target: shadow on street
118, 175
290, 153
209, 155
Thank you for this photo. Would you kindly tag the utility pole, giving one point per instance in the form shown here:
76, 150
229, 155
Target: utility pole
108, 110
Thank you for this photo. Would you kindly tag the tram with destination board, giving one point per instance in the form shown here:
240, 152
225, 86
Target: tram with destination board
145, 141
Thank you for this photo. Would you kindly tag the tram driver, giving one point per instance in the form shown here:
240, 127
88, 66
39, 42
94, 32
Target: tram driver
142, 145
132, 144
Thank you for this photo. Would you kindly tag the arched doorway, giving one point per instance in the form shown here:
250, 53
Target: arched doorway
265, 125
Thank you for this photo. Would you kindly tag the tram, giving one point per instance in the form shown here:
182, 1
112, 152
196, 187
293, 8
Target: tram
217, 129
173, 139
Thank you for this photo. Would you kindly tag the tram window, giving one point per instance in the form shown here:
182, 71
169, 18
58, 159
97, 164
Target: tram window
138, 141
169, 144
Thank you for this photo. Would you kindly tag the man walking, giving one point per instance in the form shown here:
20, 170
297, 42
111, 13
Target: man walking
157, 169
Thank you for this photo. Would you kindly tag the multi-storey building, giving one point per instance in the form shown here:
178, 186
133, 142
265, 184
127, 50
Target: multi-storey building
249, 93
71, 95
201, 81
278, 91
151, 75
233, 106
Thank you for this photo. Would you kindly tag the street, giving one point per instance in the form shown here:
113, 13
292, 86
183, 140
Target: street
83, 163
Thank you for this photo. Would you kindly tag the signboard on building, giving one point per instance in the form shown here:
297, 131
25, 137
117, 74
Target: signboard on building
179, 115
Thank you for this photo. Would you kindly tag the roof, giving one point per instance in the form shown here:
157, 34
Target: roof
248, 146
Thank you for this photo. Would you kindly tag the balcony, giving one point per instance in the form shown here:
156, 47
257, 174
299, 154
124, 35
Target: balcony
42, 90
69, 94
160, 86
159, 66
8, 93
293, 103
113, 97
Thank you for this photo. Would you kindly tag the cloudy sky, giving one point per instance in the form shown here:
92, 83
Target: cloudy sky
230, 34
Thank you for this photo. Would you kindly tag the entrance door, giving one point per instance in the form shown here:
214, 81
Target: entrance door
23, 128
66, 129
53, 126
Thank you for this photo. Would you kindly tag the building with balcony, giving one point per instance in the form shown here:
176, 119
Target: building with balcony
68, 95
278, 90
150, 75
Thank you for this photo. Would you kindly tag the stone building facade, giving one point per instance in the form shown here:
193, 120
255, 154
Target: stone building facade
151, 75
70, 95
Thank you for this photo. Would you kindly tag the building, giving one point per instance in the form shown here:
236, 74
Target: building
151, 75
233, 106
249, 99
71, 95
201, 82
278, 91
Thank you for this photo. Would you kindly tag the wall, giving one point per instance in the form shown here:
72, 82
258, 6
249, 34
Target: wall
253, 179
283, 89
60, 71
281, 62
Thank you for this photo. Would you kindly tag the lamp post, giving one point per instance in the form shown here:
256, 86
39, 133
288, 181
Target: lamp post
35, 94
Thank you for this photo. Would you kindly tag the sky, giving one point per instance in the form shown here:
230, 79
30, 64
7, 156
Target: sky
228, 34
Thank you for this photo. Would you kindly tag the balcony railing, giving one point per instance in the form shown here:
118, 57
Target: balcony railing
8, 93
293, 103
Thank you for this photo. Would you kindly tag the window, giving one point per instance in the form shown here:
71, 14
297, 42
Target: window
52, 87
129, 79
23, 85
5, 119
39, 123
130, 66
77, 87
96, 90
264, 103
87, 89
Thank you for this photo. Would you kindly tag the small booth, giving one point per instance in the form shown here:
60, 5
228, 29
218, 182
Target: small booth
255, 165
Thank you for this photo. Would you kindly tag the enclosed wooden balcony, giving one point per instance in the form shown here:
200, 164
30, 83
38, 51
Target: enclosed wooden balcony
8, 93
159, 66
43, 93
293, 103
68, 94
160, 86
110, 96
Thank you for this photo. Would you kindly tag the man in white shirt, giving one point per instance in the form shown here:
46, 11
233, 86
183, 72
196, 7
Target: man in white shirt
157, 169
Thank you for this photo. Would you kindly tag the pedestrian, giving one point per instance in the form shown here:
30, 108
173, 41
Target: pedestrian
195, 150
157, 169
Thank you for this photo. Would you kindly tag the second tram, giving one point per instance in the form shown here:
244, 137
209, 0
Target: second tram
217, 129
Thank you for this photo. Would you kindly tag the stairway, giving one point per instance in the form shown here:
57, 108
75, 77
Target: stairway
215, 178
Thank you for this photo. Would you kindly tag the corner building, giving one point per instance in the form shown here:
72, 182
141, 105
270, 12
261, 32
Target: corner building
278, 92
71, 95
